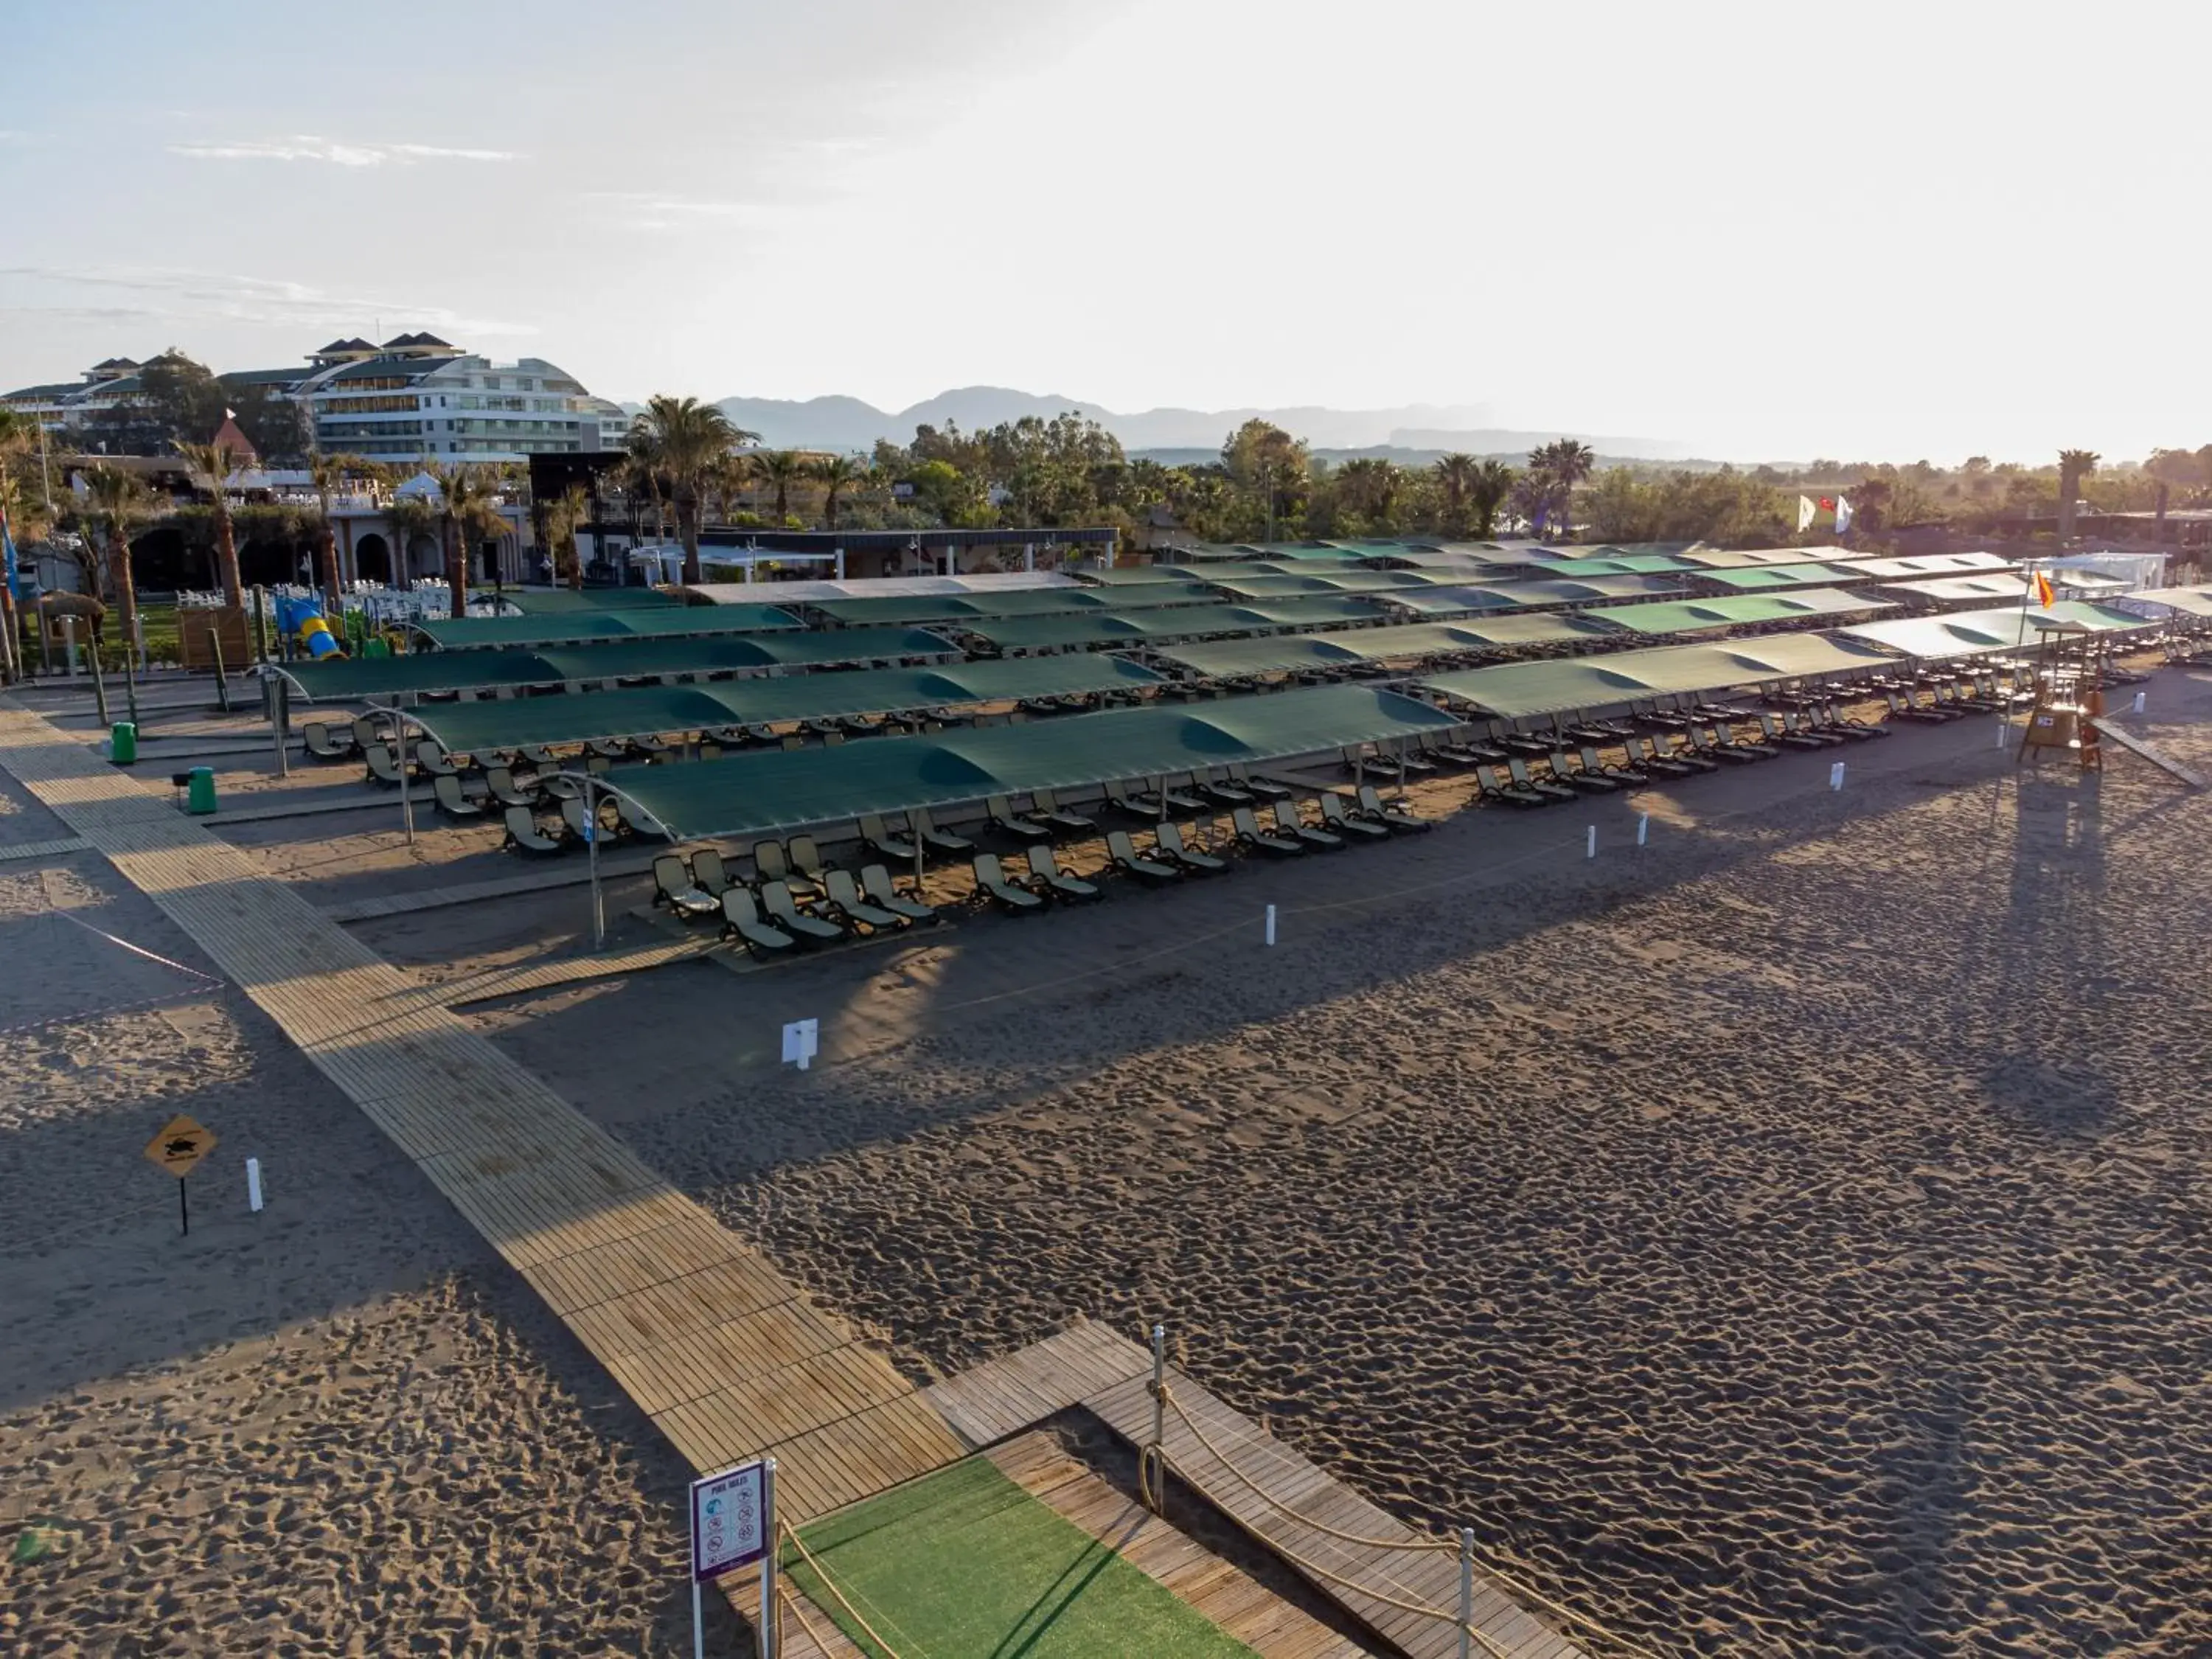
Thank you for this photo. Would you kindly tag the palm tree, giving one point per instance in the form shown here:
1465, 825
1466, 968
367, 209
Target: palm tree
836, 475
214, 463
685, 439
565, 514
1485, 493
411, 517
466, 511
117, 500
328, 471
2074, 465
1456, 474
1565, 462
782, 468
1372, 485
19, 434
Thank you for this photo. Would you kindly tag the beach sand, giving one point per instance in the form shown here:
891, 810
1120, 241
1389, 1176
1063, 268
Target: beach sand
339, 1426
1786, 1239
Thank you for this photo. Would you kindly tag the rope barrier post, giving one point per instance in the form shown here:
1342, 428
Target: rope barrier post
1642, 827
1465, 1592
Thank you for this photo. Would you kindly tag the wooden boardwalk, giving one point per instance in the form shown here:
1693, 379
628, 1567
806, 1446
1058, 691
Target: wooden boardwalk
1091, 1367
552, 874
43, 849
1240, 1604
724, 1354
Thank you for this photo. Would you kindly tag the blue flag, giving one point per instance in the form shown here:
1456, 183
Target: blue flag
7, 549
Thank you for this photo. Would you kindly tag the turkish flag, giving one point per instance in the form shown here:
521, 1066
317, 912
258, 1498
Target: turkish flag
1827, 503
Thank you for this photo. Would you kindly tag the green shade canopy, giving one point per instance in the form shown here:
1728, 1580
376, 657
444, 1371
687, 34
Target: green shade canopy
1756, 578
1740, 558
1530, 595
1969, 633
554, 601
1271, 585
1286, 653
1926, 564
2190, 601
1008, 602
581, 626
1620, 564
350, 680
509, 723
1138, 575
1517, 690
1987, 587
779, 790
1165, 622
1736, 611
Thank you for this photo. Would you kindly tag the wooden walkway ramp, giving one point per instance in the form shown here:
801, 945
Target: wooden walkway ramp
724, 1354
1268, 1489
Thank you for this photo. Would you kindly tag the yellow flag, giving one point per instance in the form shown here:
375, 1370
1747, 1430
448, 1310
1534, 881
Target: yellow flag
2044, 595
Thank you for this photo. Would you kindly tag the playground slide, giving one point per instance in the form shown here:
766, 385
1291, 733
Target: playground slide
303, 620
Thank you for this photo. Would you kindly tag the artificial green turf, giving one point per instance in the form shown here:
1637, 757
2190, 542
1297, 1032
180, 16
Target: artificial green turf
965, 1565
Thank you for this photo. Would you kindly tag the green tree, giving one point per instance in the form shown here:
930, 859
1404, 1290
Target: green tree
1563, 463
565, 514
114, 502
466, 513
214, 463
781, 468
411, 518
1272, 468
1485, 493
327, 472
2074, 465
277, 428
1370, 485
836, 475
686, 438
1455, 475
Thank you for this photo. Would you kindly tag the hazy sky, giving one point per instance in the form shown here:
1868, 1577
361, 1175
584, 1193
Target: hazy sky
1769, 230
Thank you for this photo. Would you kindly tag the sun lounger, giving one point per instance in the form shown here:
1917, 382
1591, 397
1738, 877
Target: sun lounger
782, 908
1177, 793
1725, 731
1045, 807
1517, 769
382, 768
806, 861
1781, 732
1250, 834
672, 885
1289, 824
1266, 788
845, 898
1222, 792
1003, 817
1172, 847
1341, 823
367, 729
327, 742
1708, 743
1566, 770
1825, 718
525, 835
771, 863
741, 921
500, 785
1668, 762
708, 875
1123, 852
1627, 776
634, 820
1512, 794
876, 882
934, 839
991, 882
1904, 708
1372, 805
445, 791
433, 761
538, 755
582, 828
1044, 868
877, 838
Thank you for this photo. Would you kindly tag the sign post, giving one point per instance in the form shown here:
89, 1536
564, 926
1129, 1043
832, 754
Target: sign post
802, 1040
732, 1524
178, 1148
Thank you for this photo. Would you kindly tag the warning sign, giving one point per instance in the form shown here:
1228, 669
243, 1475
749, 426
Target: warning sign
180, 1146
729, 1519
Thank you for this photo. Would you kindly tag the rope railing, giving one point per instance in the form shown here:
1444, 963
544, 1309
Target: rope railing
1155, 1492
791, 1535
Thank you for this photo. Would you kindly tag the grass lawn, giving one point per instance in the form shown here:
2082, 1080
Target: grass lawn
965, 1565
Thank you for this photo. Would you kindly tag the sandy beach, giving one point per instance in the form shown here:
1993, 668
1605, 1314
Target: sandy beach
339, 1426
1786, 1239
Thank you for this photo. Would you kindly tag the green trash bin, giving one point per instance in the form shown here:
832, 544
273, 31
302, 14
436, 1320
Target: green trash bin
123, 743
199, 794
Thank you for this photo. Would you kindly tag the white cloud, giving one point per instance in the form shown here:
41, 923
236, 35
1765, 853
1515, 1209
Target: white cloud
305, 147
657, 210
204, 296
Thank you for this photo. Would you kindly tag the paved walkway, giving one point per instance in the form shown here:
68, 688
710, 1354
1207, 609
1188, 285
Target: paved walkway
726, 1355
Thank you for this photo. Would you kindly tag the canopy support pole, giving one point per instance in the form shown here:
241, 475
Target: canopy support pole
399, 755
592, 843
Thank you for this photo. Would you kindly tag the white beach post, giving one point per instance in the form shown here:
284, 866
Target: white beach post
1270, 924
1836, 774
802, 1040
1590, 850
2142, 701
1465, 1592
254, 1185
1642, 827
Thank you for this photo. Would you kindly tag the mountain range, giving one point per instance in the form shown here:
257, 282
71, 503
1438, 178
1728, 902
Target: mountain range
841, 424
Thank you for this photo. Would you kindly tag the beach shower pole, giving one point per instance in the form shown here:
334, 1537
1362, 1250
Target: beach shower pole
1465, 1592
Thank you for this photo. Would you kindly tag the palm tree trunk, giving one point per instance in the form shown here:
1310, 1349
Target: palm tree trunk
831, 507
126, 587
226, 553
330, 541
687, 524
457, 567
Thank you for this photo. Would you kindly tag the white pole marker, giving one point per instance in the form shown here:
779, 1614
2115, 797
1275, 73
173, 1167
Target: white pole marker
1836, 776
1642, 827
1270, 924
2142, 698
802, 1040
253, 1184
1590, 851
